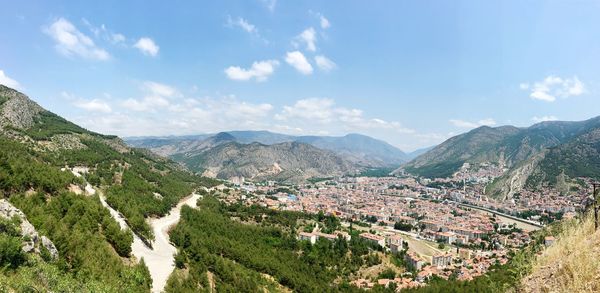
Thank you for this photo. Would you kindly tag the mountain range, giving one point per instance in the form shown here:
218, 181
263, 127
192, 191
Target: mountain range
268, 155
534, 156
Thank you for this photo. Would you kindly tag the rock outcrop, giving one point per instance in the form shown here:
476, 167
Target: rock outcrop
31, 238
18, 110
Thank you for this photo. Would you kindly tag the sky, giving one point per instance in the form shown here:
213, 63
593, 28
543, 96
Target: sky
412, 73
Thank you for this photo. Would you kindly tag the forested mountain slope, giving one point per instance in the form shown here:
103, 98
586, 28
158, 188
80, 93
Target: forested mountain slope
506, 146
558, 167
38, 151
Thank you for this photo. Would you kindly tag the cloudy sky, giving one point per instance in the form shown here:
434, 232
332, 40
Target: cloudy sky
410, 72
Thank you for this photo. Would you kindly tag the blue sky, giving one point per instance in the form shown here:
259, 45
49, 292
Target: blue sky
410, 72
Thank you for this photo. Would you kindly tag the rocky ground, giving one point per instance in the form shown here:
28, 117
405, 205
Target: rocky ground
32, 241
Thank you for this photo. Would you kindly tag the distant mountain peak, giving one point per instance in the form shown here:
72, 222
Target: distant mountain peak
223, 136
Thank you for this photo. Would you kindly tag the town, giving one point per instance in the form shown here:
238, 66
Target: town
445, 227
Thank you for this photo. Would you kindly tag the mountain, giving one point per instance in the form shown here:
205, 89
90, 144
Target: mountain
51, 174
482, 144
360, 149
505, 146
261, 136
557, 166
356, 148
290, 162
418, 152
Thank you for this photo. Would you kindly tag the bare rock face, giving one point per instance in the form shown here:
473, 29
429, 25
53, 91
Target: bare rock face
50, 247
31, 242
31, 236
18, 110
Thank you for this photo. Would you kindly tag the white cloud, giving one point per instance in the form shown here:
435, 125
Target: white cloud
322, 112
117, 38
243, 24
288, 129
159, 89
325, 63
246, 26
162, 109
553, 86
382, 124
537, 119
156, 98
70, 41
105, 34
7, 81
147, 46
297, 60
324, 22
270, 4
178, 115
315, 109
146, 104
467, 124
260, 71
94, 105
309, 38
230, 107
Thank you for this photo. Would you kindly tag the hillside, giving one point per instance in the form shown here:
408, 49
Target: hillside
571, 264
356, 148
360, 149
557, 166
479, 145
46, 164
290, 162
418, 152
505, 146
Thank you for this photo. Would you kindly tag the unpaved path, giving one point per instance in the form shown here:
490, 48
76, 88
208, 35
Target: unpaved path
159, 259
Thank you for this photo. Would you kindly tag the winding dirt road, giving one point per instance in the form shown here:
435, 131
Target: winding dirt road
160, 258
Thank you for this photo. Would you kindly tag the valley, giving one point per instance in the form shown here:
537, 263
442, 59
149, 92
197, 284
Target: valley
288, 213
270, 146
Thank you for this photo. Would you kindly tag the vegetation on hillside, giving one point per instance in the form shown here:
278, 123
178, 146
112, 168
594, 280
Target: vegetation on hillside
89, 241
441, 170
236, 254
571, 264
579, 158
93, 250
573, 147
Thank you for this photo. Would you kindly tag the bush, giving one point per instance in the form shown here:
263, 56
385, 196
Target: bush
387, 274
11, 254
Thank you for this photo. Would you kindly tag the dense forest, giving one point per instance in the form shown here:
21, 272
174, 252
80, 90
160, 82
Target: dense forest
238, 254
88, 240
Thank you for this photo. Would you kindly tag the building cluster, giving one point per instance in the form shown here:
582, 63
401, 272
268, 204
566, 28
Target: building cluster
454, 212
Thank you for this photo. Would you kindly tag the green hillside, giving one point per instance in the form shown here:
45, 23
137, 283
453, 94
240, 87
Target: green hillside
505, 145
94, 253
